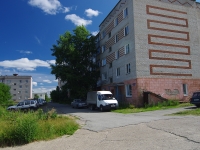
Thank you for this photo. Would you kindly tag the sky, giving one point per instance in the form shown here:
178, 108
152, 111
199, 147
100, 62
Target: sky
29, 28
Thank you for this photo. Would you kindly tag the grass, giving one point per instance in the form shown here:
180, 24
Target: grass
125, 108
195, 112
18, 128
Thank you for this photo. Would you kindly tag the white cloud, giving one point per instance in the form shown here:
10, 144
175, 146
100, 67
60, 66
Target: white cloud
34, 83
51, 7
47, 81
90, 12
25, 64
52, 62
95, 33
48, 6
78, 21
55, 80
37, 39
24, 52
66, 9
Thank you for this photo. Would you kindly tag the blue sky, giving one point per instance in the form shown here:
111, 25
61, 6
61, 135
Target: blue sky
29, 28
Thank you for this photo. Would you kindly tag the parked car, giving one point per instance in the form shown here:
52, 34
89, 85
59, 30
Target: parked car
195, 99
78, 103
24, 105
41, 101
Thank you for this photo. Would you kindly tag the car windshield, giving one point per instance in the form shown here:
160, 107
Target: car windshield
107, 96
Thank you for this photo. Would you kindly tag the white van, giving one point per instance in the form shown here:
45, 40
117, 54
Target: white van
103, 100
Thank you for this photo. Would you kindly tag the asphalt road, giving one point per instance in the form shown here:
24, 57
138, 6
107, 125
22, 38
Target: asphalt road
113, 131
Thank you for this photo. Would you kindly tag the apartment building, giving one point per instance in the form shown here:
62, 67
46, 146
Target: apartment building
20, 86
150, 45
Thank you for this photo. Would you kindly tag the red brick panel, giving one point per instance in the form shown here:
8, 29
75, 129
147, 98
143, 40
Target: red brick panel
110, 27
120, 17
110, 58
157, 42
121, 51
110, 42
121, 34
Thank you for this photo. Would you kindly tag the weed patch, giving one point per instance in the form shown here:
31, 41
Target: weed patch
18, 128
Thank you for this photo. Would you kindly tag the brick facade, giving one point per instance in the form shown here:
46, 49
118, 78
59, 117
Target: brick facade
164, 40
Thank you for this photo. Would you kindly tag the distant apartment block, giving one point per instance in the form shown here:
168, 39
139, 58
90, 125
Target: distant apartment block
20, 86
150, 45
40, 95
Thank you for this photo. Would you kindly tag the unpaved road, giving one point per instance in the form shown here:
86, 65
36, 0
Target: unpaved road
112, 131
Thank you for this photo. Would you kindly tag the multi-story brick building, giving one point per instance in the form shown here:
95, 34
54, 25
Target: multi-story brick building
150, 45
20, 86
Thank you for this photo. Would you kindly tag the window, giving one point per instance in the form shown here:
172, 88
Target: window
20, 81
26, 91
126, 49
111, 80
103, 34
110, 49
117, 55
126, 31
98, 50
103, 48
116, 38
128, 68
26, 81
128, 90
19, 92
125, 12
26, 86
14, 89
15, 84
116, 22
109, 34
110, 65
185, 91
20, 86
103, 62
104, 76
98, 63
118, 72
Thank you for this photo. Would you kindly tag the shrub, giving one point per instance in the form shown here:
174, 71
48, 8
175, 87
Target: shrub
25, 129
20, 128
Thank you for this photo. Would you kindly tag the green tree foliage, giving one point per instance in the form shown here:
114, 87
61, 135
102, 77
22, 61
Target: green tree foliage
75, 61
55, 95
5, 95
47, 98
36, 96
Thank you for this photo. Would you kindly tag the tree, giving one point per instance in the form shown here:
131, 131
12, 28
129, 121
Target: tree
47, 97
36, 96
75, 63
5, 95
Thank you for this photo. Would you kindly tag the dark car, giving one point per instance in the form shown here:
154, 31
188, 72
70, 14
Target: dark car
195, 99
78, 103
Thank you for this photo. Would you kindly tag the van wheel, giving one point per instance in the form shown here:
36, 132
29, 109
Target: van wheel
101, 108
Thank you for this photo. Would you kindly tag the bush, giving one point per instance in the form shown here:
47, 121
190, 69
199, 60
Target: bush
25, 129
21, 128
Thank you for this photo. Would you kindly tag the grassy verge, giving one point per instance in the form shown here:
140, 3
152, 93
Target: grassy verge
125, 109
19, 128
195, 112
